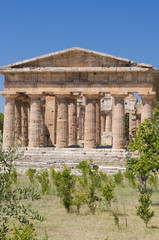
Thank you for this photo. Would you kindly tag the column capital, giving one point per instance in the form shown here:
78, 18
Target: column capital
148, 96
9, 95
75, 95
118, 95
108, 111
35, 96
23, 99
92, 96
62, 95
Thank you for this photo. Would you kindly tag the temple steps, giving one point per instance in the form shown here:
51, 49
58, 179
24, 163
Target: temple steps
107, 160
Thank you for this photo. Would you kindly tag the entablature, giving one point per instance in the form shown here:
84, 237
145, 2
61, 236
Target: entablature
112, 75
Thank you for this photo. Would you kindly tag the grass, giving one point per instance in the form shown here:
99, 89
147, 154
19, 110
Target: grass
85, 226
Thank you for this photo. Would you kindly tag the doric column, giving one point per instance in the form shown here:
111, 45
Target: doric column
108, 121
50, 121
118, 123
17, 133
98, 123
42, 132
24, 122
102, 118
9, 121
72, 121
90, 122
28, 119
62, 122
146, 107
35, 121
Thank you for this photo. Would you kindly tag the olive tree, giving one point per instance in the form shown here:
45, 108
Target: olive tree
12, 199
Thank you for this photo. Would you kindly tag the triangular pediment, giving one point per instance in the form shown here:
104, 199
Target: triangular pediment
74, 57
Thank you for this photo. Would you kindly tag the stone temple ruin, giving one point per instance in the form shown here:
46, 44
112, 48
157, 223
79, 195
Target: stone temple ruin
76, 97
105, 136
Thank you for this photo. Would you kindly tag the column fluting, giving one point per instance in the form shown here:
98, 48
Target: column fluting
17, 133
146, 107
9, 121
98, 123
118, 123
90, 122
24, 122
35, 121
62, 122
72, 121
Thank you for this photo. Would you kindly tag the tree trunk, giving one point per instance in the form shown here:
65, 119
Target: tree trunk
143, 181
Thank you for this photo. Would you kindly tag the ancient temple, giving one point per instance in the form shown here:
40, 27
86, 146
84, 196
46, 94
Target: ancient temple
76, 97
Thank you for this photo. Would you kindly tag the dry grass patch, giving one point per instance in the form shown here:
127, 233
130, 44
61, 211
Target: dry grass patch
85, 226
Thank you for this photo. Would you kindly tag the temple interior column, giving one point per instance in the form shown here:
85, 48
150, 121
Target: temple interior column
62, 122
98, 123
146, 107
108, 121
118, 123
102, 118
50, 120
138, 121
80, 125
9, 121
132, 124
35, 121
72, 121
17, 133
90, 122
24, 122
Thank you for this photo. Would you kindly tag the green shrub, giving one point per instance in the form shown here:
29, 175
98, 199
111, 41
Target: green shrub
104, 177
79, 199
131, 177
43, 177
143, 210
90, 182
118, 178
108, 192
65, 185
25, 232
14, 175
153, 180
31, 174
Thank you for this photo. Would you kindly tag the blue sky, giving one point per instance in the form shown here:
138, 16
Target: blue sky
122, 28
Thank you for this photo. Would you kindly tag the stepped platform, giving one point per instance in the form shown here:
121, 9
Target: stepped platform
108, 160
